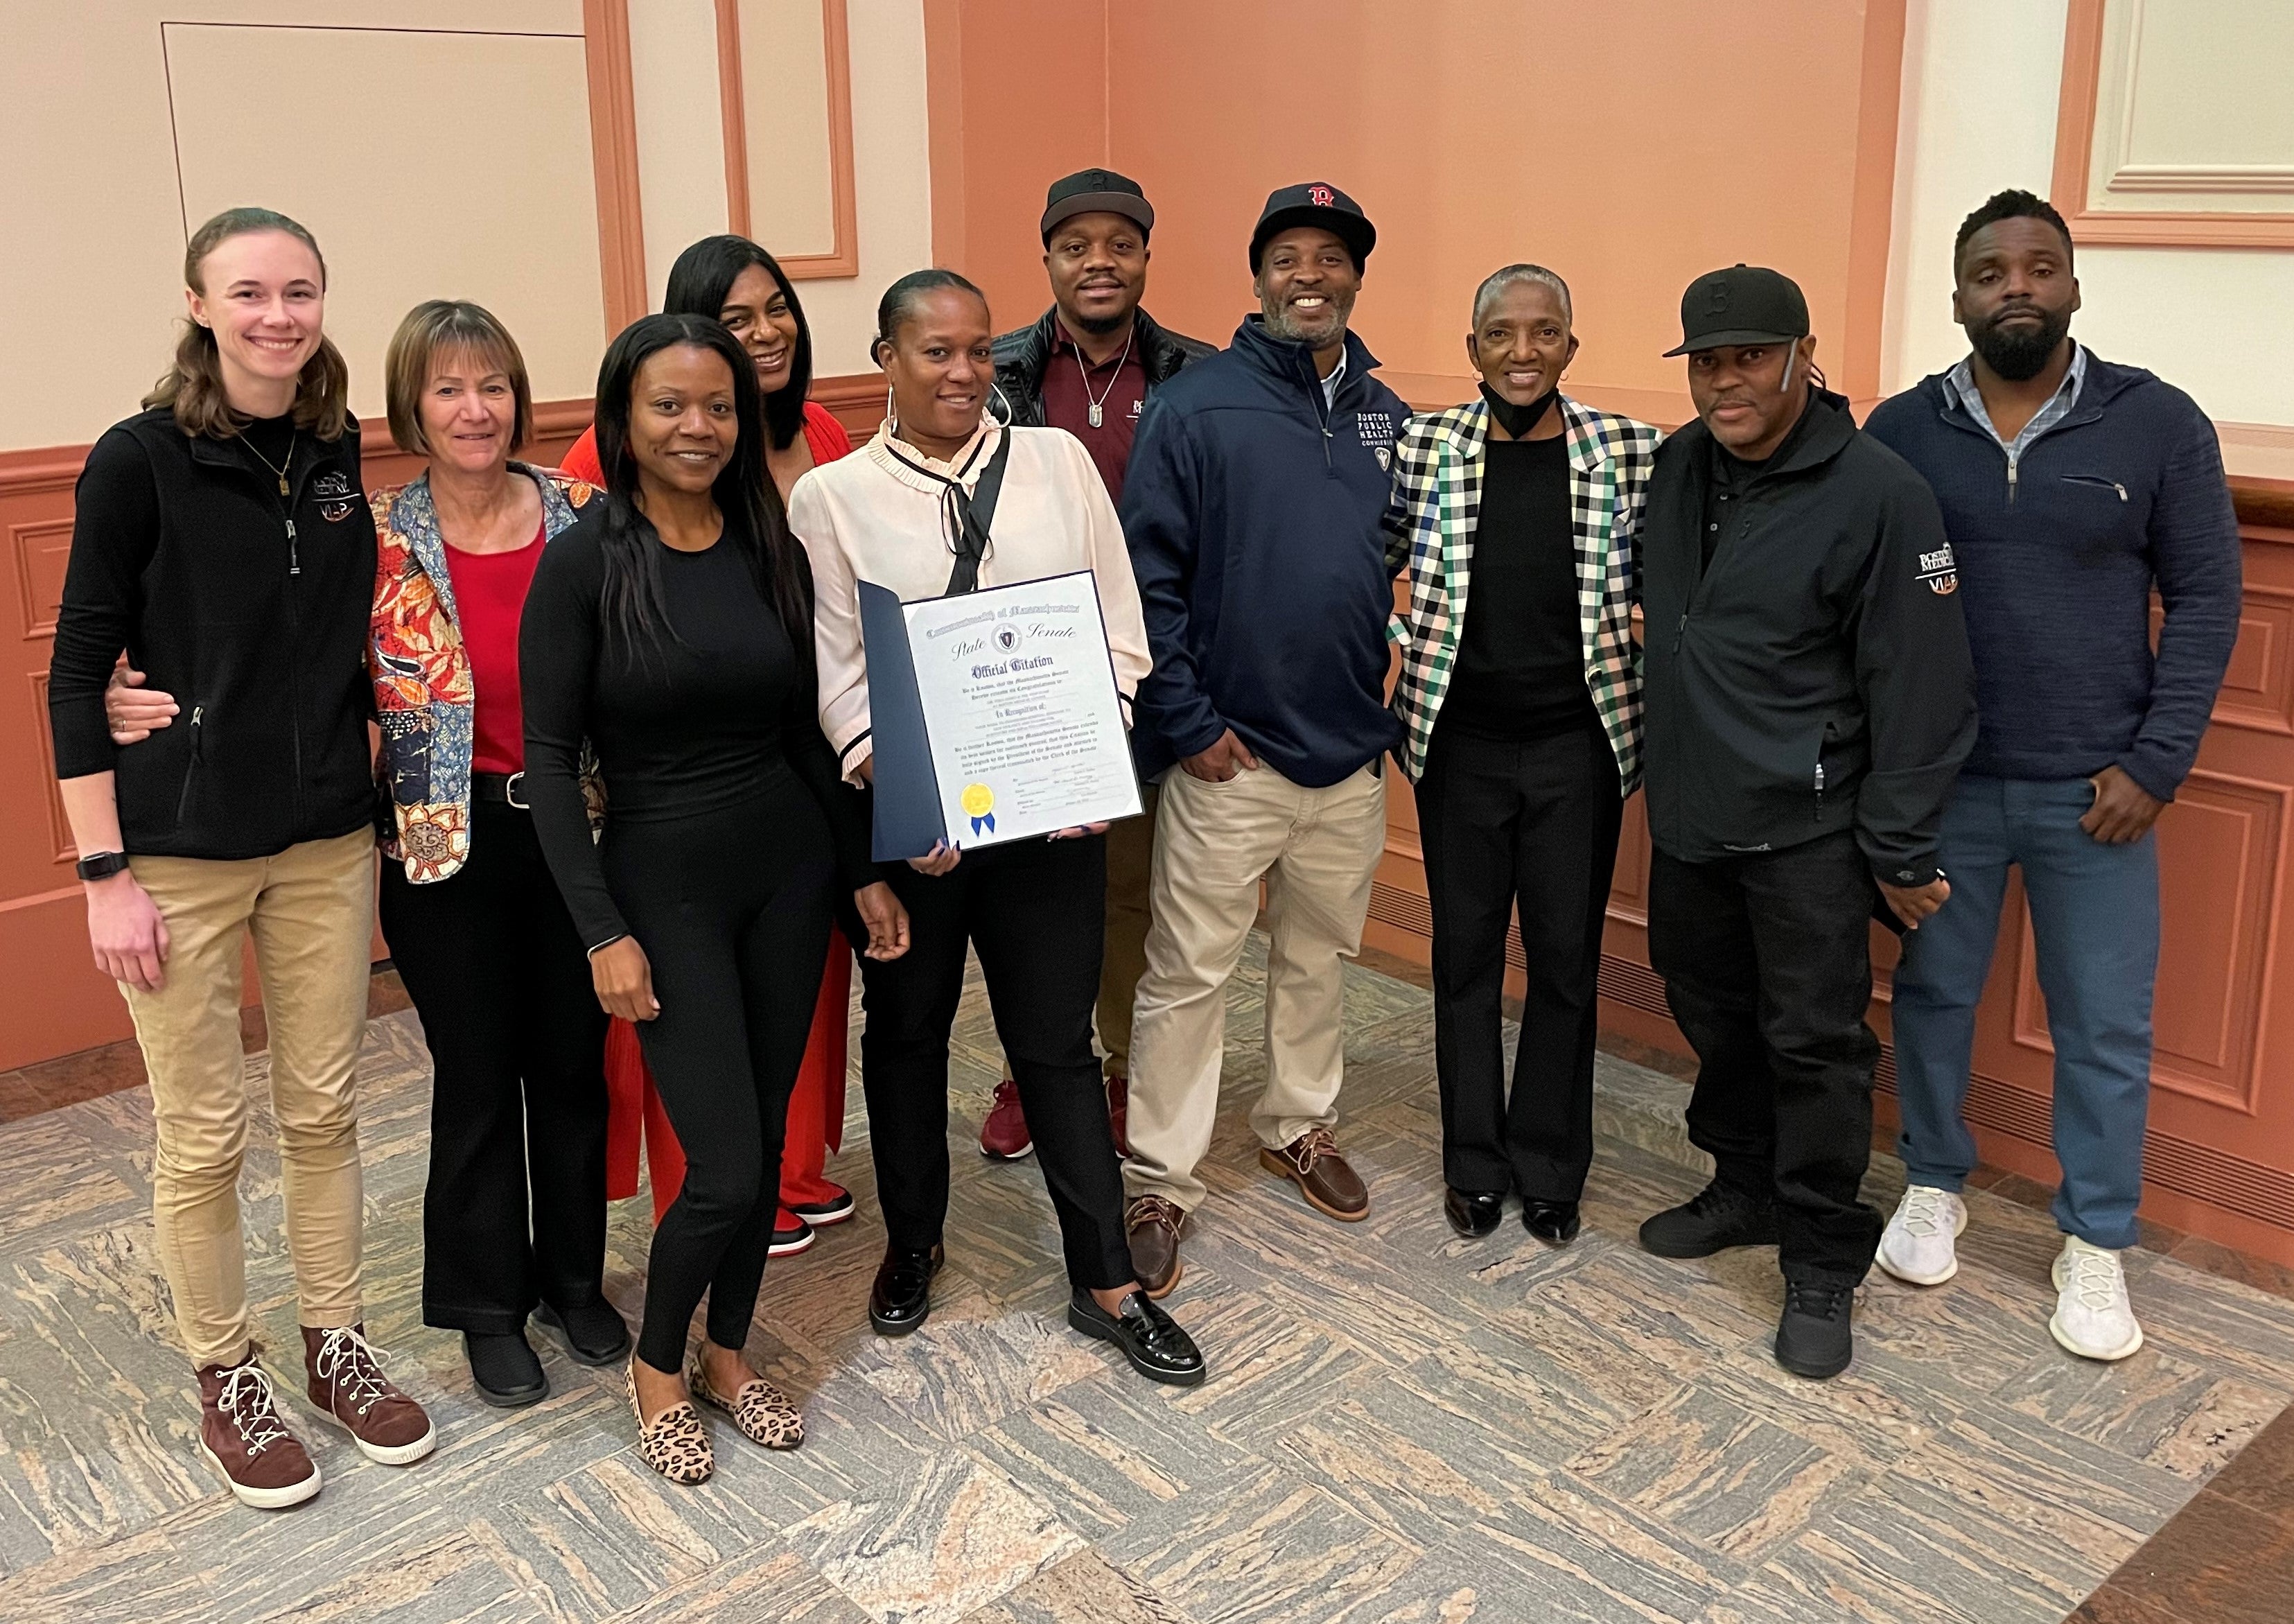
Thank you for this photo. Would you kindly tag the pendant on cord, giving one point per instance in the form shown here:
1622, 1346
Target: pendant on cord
1094, 415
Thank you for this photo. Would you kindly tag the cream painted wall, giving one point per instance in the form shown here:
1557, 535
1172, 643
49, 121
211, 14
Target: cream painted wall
1980, 83
681, 157
90, 285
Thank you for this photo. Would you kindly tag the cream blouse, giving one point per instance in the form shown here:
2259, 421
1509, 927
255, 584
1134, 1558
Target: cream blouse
874, 517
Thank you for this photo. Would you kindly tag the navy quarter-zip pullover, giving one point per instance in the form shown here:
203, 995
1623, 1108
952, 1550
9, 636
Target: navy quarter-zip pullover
2125, 494
1253, 511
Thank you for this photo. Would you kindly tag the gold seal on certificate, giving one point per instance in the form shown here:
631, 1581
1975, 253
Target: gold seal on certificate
994, 715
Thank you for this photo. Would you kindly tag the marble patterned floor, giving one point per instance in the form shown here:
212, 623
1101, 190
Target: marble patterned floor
1401, 1425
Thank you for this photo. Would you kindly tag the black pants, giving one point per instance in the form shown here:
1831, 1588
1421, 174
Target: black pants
1767, 964
732, 908
499, 981
1035, 912
1533, 825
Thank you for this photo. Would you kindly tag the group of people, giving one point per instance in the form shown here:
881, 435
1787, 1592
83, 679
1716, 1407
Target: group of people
625, 773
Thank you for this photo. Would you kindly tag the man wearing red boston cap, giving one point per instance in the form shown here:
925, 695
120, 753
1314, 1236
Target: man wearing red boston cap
1253, 507
1809, 698
1088, 366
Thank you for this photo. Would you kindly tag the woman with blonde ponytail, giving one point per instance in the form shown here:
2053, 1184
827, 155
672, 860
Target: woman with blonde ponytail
222, 543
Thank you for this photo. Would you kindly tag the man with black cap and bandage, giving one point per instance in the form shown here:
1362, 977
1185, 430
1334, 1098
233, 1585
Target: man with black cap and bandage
1088, 367
1809, 700
1253, 507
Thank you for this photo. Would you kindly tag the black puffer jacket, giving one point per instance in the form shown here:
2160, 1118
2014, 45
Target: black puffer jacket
1023, 354
1816, 677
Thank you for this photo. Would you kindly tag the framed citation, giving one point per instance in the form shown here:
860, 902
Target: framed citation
994, 715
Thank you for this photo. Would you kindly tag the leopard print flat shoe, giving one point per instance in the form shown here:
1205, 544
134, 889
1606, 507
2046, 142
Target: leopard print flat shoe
673, 1443
762, 1411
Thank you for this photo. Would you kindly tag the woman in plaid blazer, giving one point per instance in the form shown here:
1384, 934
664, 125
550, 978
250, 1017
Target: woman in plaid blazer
1524, 737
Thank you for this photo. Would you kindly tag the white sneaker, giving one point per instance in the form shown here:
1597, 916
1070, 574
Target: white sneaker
2093, 1315
1916, 1245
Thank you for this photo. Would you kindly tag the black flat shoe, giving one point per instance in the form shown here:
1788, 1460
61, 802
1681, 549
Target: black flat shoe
504, 1369
901, 1298
593, 1333
1554, 1222
1150, 1338
1473, 1213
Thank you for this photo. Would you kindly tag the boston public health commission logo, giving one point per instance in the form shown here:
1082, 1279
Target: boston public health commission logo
1940, 571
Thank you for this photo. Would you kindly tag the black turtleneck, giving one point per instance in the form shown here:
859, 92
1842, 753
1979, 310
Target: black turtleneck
1521, 663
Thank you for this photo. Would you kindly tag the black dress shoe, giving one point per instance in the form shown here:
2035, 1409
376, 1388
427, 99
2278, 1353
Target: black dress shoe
1718, 1217
901, 1297
1815, 1335
1150, 1338
1473, 1212
1554, 1222
593, 1332
504, 1369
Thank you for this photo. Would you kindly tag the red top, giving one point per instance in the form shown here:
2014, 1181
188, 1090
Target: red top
488, 594
1070, 384
822, 432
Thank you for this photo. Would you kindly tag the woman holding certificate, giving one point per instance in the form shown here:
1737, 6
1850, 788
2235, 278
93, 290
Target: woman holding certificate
943, 501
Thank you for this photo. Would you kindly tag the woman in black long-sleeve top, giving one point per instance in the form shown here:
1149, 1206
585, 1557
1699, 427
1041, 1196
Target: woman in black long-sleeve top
671, 629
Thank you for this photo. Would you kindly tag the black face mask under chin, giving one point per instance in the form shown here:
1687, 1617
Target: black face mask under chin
1518, 420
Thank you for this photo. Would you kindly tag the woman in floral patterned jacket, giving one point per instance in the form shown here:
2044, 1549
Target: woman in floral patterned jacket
475, 922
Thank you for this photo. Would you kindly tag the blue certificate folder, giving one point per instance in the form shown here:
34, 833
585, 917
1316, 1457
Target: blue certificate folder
909, 820
912, 812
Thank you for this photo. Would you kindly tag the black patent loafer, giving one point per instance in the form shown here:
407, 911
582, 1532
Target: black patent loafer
1716, 1218
1150, 1338
901, 1298
1473, 1213
593, 1333
504, 1369
1554, 1222
1816, 1334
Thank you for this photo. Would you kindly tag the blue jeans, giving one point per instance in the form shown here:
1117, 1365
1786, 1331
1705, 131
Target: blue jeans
2095, 915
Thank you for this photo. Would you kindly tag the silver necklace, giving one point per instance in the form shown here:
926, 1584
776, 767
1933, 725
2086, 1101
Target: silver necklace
1084, 374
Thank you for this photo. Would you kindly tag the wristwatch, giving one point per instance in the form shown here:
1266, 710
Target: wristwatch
102, 865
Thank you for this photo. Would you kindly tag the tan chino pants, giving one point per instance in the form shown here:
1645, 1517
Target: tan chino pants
1130, 855
1317, 851
311, 910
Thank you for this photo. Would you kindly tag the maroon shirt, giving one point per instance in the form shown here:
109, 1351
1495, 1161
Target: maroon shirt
1120, 387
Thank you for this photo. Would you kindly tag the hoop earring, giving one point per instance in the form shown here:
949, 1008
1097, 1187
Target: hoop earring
891, 417
995, 393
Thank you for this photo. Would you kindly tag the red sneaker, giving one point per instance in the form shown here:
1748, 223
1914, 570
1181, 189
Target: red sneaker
349, 1389
1004, 1136
243, 1438
790, 1236
1118, 1106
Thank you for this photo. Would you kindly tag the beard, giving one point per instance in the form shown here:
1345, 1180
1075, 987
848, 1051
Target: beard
1099, 326
2022, 349
1283, 323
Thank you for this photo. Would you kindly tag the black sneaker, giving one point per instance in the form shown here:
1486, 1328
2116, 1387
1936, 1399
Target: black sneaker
504, 1369
1718, 1217
594, 1332
1150, 1338
1814, 1338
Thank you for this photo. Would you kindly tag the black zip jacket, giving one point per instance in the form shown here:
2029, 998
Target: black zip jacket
1023, 354
1816, 677
252, 609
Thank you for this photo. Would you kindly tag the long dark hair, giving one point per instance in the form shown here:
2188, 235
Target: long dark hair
700, 282
634, 609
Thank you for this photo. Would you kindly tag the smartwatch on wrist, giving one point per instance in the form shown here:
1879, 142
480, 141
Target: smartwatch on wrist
102, 865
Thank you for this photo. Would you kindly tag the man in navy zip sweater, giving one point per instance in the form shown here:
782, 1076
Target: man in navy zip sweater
2070, 488
1253, 506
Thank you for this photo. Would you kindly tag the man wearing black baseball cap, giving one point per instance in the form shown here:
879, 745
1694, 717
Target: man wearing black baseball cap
1809, 698
1254, 508
1088, 366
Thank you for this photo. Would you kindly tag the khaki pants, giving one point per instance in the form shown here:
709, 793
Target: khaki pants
1317, 850
1130, 852
310, 909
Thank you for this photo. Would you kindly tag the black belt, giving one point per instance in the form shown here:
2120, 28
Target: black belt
500, 788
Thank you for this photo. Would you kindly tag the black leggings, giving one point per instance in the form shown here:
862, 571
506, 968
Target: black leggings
517, 1099
732, 908
1034, 912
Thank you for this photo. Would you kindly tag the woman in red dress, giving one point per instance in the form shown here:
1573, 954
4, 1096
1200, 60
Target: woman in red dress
735, 281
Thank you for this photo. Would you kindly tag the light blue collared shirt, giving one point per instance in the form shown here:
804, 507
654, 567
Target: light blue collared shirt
1962, 379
